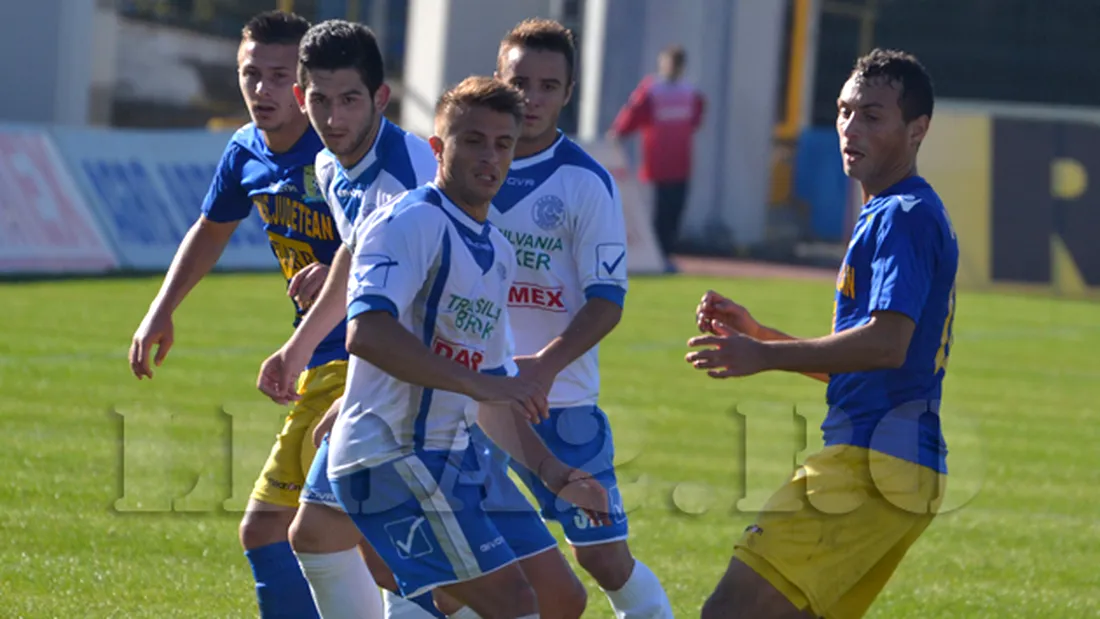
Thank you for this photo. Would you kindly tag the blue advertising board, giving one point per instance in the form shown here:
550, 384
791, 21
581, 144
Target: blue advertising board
146, 188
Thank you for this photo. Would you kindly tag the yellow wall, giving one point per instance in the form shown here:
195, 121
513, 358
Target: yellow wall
960, 158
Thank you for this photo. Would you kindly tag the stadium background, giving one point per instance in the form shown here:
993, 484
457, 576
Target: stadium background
115, 114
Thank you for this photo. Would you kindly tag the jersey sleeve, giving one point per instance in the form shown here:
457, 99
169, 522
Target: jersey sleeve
637, 112
903, 260
599, 240
226, 200
391, 261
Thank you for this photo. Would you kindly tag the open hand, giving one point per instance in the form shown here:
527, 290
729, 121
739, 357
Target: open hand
523, 396
728, 355
579, 488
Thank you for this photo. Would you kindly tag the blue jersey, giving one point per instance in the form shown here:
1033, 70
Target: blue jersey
902, 258
295, 215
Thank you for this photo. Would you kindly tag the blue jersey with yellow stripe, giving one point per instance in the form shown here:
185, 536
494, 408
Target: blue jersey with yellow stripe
903, 257
283, 188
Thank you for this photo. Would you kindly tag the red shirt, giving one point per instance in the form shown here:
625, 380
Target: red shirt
667, 114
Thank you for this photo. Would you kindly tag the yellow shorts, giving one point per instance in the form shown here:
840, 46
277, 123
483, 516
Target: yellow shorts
832, 536
285, 471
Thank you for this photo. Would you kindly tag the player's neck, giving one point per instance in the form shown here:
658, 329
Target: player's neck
352, 159
874, 187
285, 138
478, 211
534, 146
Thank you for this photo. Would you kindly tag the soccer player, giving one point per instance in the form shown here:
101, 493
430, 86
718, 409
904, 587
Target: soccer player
877, 484
267, 163
366, 161
429, 336
338, 58
562, 212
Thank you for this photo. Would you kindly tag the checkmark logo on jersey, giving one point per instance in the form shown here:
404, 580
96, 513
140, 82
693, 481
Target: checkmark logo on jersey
409, 538
610, 258
373, 270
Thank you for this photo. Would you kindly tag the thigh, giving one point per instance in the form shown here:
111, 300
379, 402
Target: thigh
747, 591
426, 527
580, 437
823, 531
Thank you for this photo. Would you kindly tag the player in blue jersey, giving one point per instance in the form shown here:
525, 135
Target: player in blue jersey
268, 164
828, 541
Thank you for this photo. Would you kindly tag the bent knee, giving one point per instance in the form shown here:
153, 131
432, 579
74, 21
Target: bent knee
321, 530
609, 564
263, 527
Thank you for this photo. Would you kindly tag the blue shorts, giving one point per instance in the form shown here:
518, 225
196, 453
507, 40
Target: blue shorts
579, 436
477, 522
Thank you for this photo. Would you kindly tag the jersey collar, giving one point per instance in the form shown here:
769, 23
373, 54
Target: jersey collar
459, 216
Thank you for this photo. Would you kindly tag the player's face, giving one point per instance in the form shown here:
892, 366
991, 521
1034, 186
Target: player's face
875, 140
266, 76
543, 78
342, 110
476, 153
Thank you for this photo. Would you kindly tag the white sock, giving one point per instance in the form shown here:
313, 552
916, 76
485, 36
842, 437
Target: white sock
342, 586
398, 607
642, 597
464, 613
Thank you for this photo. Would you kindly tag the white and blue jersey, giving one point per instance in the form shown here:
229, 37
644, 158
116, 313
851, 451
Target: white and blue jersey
401, 462
562, 211
445, 277
397, 162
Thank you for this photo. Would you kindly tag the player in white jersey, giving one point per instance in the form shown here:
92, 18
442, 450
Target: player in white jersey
430, 338
562, 212
366, 161
326, 540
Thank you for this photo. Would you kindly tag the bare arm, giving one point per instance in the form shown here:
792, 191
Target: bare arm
329, 310
378, 338
882, 343
597, 318
767, 334
197, 254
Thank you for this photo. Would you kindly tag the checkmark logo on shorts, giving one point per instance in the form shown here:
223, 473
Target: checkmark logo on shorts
409, 538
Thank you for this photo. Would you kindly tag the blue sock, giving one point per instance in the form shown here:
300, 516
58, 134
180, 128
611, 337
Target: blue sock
281, 588
425, 601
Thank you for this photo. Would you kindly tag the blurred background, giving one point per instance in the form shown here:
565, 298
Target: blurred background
122, 106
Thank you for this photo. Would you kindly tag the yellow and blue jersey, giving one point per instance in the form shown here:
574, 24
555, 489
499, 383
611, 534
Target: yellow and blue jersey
283, 188
903, 257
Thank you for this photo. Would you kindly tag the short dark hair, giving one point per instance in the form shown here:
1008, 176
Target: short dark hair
275, 28
338, 44
480, 91
676, 54
917, 95
543, 35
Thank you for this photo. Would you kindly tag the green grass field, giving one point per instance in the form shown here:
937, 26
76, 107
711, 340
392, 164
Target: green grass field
121, 498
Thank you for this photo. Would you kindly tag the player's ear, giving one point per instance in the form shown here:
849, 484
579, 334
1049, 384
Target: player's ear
436, 143
300, 97
918, 128
569, 93
382, 97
